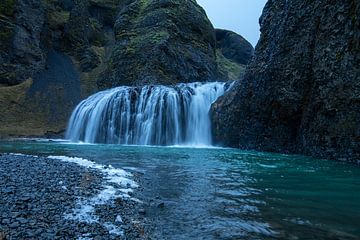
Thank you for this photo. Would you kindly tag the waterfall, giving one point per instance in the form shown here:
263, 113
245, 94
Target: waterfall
149, 115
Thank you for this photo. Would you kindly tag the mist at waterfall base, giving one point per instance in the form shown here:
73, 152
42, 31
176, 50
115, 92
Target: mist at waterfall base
149, 115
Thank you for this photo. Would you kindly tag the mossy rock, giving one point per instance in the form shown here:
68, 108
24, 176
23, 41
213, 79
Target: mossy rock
58, 19
7, 7
161, 42
6, 33
229, 69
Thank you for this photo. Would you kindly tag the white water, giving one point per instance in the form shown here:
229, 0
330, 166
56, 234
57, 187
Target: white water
117, 185
150, 115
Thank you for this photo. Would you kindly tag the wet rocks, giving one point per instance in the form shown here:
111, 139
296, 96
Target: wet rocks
37, 193
301, 92
100, 44
161, 205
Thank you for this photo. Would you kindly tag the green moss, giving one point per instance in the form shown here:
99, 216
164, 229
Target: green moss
6, 34
18, 117
157, 37
143, 4
105, 3
339, 56
152, 38
6, 25
7, 7
130, 50
228, 68
58, 18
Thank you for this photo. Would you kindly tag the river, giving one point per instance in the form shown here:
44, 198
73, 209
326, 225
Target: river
223, 193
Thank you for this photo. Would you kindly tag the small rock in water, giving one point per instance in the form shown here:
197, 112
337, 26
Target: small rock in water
22, 220
14, 225
119, 201
5, 221
161, 205
8, 190
119, 219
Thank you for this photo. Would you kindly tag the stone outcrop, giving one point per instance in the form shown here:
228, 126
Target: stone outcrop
161, 42
234, 46
21, 55
98, 44
301, 92
233, 53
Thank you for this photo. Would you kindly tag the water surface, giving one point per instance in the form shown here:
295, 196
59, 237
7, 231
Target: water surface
216, 193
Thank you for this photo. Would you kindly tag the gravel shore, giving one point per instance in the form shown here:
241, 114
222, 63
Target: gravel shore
46, 198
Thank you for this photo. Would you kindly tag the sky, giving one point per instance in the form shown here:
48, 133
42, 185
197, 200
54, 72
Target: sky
240, 16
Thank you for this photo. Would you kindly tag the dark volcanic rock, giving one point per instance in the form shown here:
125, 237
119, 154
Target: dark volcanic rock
163, 42
233, 53
20, 47
42, 193
50, 51
234, 46
57, 88
301, 93
100, 44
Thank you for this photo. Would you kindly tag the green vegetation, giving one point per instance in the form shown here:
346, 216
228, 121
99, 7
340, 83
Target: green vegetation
6, 33
105, 3
156, 37
19, 117
58, 18
6, 26
139, 41
7, 7
227, 67
143, 4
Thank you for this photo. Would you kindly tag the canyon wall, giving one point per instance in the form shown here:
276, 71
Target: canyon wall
301, 92
55, 53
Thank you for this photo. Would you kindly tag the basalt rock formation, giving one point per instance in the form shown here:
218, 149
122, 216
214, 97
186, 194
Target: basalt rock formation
234, 46
161, 41
301, 92
55, 53
233, 54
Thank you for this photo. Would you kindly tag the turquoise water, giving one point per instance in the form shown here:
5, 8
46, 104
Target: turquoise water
228, 193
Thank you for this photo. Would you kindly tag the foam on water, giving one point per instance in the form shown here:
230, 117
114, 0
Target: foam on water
117, 185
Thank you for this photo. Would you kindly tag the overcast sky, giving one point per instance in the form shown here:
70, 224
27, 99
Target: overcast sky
241, 16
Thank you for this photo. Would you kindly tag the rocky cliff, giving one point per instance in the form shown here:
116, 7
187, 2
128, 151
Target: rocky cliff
301, 93
55, 53
161, 42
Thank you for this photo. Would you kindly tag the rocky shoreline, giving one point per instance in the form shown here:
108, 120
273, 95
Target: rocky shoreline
66, 198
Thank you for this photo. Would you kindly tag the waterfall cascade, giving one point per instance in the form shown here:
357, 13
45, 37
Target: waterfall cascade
149, 115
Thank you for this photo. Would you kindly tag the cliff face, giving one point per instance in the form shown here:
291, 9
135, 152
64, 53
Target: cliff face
48, 54
301, 93
55, 53
234, 46
161, 41
20, 30
233, 53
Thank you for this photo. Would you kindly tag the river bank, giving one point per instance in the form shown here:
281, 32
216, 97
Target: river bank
62, 197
